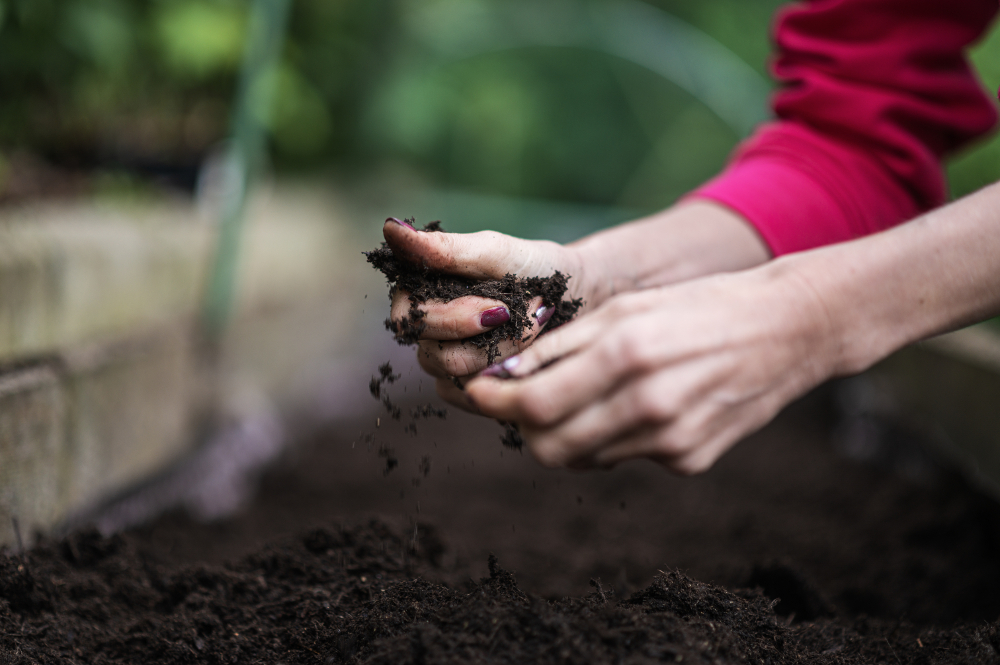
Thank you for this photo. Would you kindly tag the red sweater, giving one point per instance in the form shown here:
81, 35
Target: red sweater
874, 93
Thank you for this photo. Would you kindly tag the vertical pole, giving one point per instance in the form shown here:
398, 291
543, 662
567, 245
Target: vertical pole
254, 95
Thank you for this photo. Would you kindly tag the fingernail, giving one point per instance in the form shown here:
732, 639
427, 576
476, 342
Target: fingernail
494, 317
543, 314
502, 370
401, 223
496, 371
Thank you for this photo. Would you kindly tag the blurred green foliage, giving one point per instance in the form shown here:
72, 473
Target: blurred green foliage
362, 91
980, 165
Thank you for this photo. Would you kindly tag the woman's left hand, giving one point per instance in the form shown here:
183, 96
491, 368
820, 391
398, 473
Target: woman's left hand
676, 374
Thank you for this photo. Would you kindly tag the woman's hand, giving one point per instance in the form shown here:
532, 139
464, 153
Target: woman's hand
686, 241
484, 255
675, 374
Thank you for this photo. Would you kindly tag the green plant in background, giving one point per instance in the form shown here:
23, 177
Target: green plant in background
92, 81
198, 39
611, 103
501, 98
97, 82
980, 166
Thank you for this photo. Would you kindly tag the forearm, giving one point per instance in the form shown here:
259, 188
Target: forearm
878, 294
685, 241
873, 94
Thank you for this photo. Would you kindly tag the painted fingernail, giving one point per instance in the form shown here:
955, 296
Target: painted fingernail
401, 223
502, 370
511, 363
496, 371
543, 314
494, 317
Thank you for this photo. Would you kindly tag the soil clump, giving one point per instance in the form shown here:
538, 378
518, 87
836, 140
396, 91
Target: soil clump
422, 284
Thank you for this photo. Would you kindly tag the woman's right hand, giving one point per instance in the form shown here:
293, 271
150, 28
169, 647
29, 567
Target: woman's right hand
481, 256
686, 241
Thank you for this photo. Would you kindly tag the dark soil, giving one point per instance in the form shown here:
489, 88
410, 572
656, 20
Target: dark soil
422, 285
784, 553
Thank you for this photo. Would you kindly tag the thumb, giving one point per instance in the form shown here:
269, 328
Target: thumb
482, 255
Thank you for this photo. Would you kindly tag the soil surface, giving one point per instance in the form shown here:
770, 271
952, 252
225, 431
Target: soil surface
786, 552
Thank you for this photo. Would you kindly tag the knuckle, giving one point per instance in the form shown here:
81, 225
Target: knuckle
547, 454
651, 407
452, 327
400, 309
536, 408
616, 308
624, 351
459, 362
635, 355
691, 465
491, 237
430, 361
673, 443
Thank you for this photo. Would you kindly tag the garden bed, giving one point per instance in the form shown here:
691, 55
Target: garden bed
338, 561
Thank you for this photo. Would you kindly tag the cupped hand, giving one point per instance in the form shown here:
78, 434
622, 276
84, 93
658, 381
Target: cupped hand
483, 256
675, 374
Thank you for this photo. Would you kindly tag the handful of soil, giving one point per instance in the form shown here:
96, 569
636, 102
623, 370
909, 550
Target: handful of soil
423, 284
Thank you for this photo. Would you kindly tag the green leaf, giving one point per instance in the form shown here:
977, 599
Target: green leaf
200, 39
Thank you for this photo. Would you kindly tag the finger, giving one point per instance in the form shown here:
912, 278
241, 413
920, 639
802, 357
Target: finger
640, 403
702, 458
734, 426
442, 358
554, 345
454, 395
584, 331
457, 319
550, 395
687, 445
482, 255
656, 443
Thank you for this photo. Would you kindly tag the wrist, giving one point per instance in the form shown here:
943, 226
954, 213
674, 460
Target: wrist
809, 319
592, 280
845, 336
689, 240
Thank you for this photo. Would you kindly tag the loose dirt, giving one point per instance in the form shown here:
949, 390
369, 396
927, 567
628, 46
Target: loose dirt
784, 553
421, 285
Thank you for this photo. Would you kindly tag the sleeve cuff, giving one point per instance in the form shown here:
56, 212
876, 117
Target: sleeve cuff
801, 190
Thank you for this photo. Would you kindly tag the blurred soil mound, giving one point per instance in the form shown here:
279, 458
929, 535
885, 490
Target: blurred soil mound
785, 553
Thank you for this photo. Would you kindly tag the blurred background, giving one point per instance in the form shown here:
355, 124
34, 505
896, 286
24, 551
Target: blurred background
186, 187
517, 115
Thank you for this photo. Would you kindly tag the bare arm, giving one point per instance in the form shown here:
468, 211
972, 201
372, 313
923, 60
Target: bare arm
679, 374
689, 240
934, 274
683, 242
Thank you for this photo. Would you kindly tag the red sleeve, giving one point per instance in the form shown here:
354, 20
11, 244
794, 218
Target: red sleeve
874, 93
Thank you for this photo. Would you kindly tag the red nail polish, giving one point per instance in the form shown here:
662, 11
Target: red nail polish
401, 223
543, 314
494, 317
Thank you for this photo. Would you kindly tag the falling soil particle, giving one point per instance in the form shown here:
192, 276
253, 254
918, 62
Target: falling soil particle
378, 388
389, 455
511, 437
